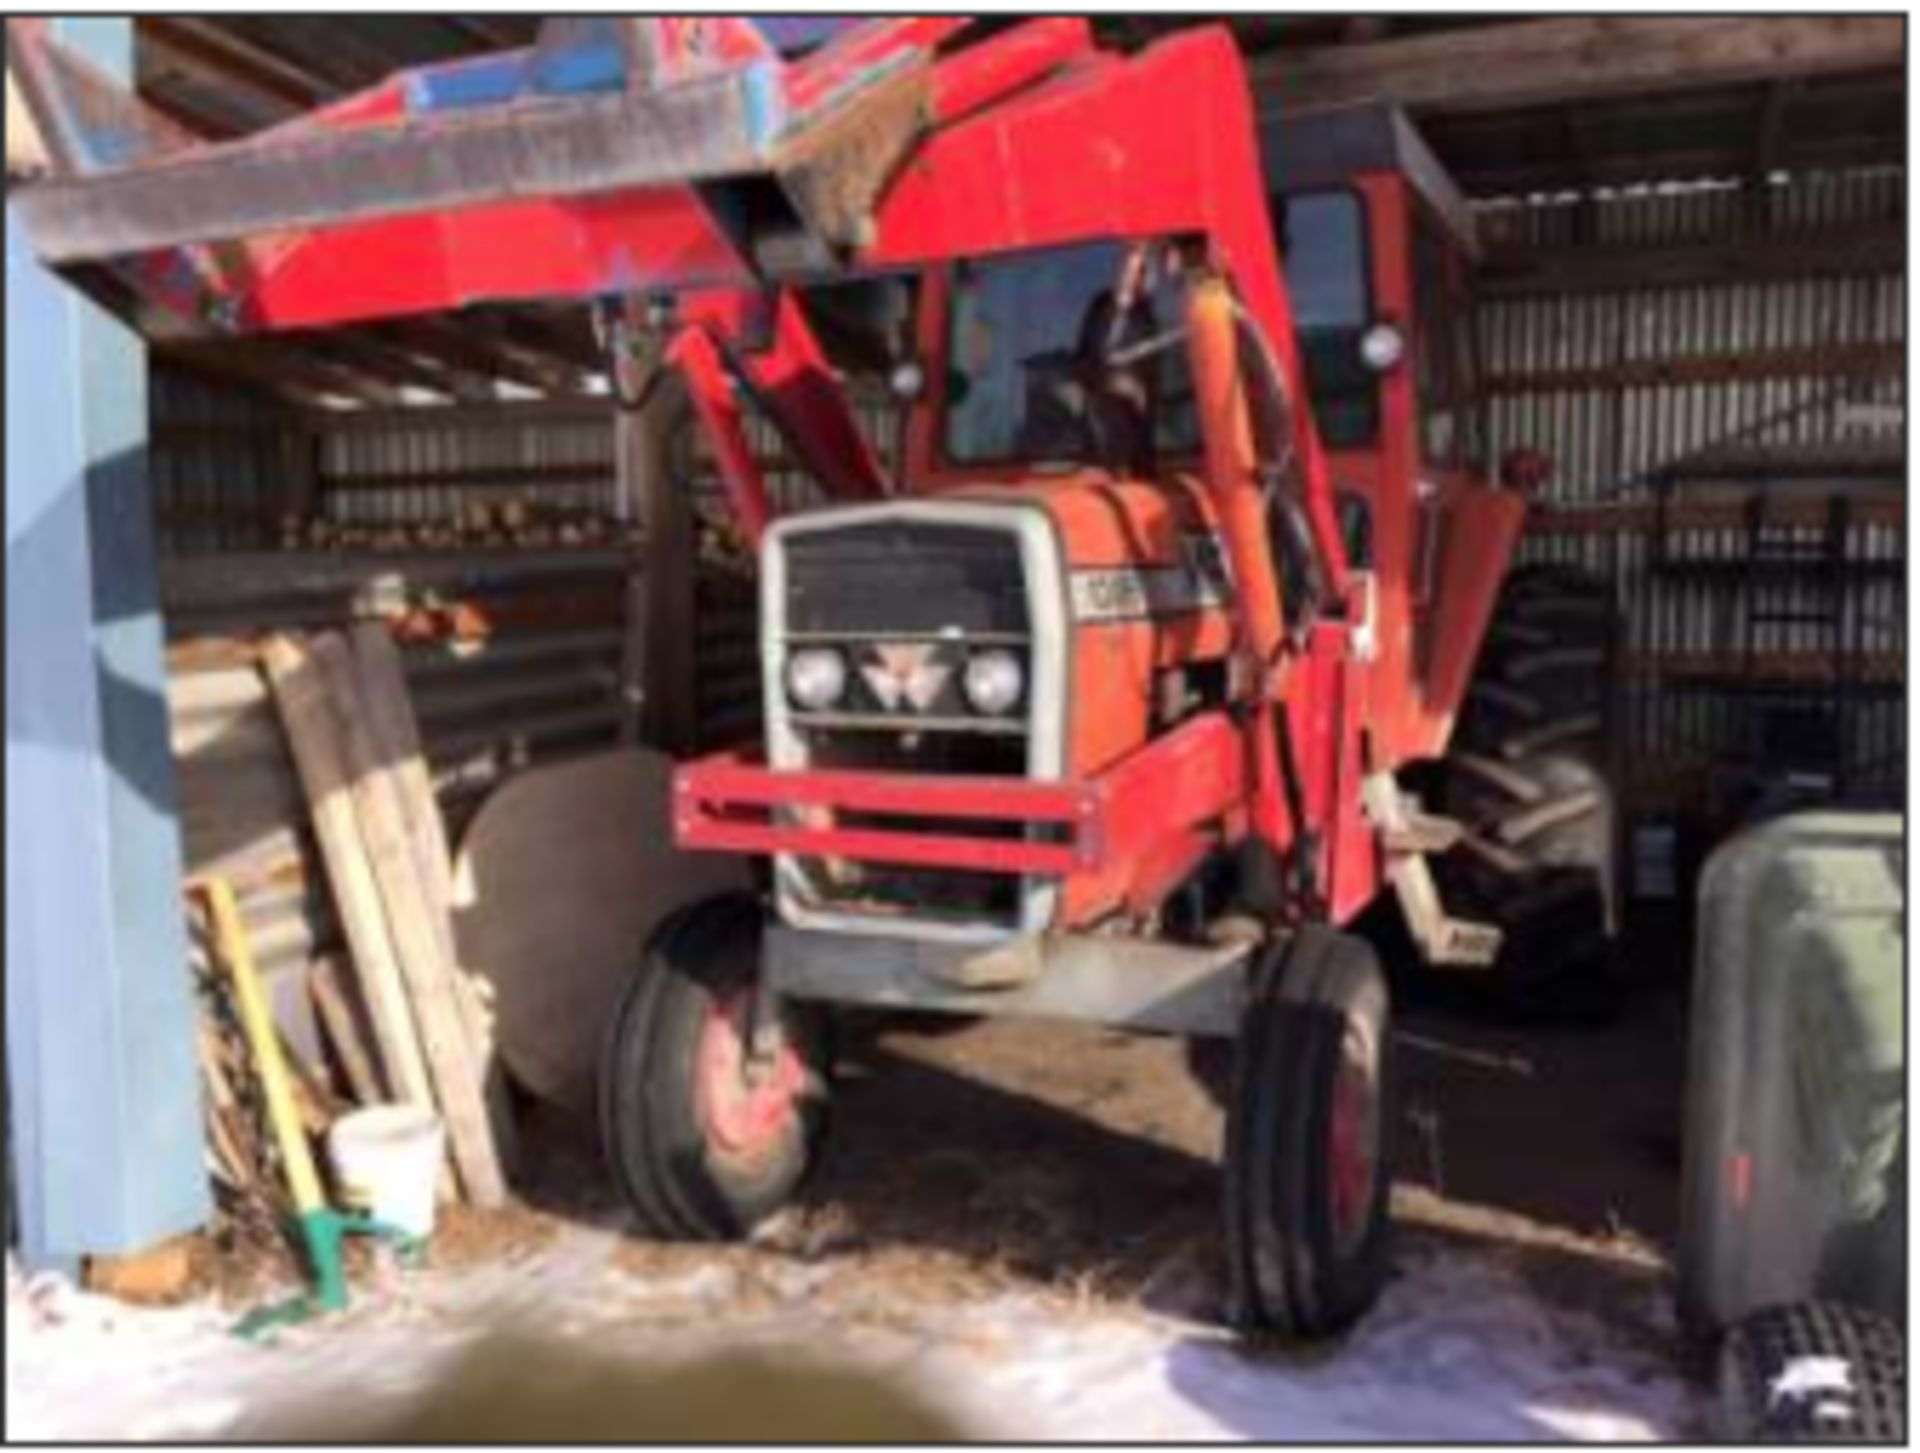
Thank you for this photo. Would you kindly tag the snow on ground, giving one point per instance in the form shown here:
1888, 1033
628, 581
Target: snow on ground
1460, 1351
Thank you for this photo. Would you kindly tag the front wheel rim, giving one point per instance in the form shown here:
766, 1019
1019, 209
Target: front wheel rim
748, 1109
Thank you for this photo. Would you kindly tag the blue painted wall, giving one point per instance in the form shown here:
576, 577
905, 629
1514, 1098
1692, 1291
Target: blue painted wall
102, 1078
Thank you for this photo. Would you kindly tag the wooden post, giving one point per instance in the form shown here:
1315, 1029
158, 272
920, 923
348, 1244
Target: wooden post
301, 694
633, 453
419, 945
395, 734
649, 463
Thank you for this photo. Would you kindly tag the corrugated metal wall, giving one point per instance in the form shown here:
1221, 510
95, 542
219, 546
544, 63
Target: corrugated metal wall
510, 514
228, 466
1619, 382
397, 469
515, 650
1703, 392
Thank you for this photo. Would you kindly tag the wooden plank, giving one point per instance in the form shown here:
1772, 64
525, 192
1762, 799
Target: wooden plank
631, 453
395, 732
343, 1020
26, 151
392, 724
1758, 365
480, 477
224, 1113
1705, 515
672, 570
1809, 669
318, 755
311, 1096
1512, 272
1570, 60
214, 582
419, 946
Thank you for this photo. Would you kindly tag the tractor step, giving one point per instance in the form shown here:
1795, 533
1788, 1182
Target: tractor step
1423, 834
1411, 837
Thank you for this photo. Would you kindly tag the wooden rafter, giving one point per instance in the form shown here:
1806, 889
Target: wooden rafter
1875, 250
1577, 59
214, 56
282, 369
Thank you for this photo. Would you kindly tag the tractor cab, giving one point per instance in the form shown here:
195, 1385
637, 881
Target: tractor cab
1379, 252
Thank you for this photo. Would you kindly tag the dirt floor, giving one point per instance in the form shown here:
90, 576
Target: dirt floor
1031, 1157
1019, 1224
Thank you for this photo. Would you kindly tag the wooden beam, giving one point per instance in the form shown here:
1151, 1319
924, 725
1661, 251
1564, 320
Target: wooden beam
1767, 365
524, 477
1706, 516
505, 416
300, 691
668, 615
207, 49
480, 352
342, 1015
1576, 59
419, 942
395, 732
1874, 251
277, 367
26, 151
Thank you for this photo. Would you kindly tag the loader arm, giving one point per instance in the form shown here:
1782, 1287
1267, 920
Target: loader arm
647, 157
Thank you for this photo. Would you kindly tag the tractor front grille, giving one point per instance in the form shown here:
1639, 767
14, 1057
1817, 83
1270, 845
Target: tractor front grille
894, 579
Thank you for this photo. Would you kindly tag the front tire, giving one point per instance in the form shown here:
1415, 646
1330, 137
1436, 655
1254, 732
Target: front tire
1309, 1165
707, 1141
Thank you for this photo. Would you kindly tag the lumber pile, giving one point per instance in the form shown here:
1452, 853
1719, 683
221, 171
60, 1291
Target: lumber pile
405, 1022
240, 1153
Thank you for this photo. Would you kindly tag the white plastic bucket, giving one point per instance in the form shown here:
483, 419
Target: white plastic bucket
387, 1161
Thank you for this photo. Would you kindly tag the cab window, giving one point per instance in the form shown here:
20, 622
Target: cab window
1323, 244
1071, 355
1444, 357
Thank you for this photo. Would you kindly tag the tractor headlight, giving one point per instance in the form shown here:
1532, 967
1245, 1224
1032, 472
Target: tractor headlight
816, 679
1383, 348
995, 682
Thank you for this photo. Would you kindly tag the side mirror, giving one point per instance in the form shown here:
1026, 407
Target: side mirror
1383, 348
1525, 471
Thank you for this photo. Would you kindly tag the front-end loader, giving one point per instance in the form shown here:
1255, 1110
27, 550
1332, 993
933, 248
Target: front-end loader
1097, 704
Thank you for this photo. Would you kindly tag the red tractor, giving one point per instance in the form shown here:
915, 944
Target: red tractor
1096, 706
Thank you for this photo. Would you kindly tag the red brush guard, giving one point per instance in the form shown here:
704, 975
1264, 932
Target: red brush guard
1176, 791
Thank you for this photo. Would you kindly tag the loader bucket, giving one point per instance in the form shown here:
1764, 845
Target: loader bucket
753, 162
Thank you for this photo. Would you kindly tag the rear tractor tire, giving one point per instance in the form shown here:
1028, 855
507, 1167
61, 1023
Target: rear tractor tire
706, 1139
1309, 1163
1527, 775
